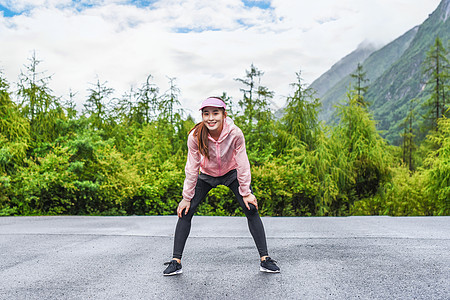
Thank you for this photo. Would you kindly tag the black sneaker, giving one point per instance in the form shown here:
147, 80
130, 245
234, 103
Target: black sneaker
173, 268
268, 265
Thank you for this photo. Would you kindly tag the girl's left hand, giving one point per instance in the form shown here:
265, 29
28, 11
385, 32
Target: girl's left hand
183, 205
250, 199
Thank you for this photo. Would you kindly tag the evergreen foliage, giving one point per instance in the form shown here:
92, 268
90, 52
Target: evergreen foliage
360, 80
408, 145
300, 115
437, 174
436, 70
126, 155
256, 118
396, 76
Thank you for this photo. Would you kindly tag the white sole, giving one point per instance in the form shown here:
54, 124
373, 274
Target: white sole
174, 273
262, 269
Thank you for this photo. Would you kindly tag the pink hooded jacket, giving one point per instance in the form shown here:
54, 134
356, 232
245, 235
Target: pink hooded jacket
226, 154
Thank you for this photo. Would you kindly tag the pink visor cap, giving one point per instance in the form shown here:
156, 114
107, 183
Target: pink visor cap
214, 102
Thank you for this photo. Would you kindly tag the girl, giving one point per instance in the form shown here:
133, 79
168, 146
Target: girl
216, 156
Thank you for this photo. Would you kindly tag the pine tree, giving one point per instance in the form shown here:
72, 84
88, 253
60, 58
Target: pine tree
408, 145
124, 107
363, 147
96, 104
69, 105
256, 118
360, 88
14, 131
229, 103
147, 108
38, 105
249, 103
436, 71
437, 176
300, 118
170, 101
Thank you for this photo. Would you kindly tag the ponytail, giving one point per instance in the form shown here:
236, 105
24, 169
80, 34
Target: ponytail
201, 133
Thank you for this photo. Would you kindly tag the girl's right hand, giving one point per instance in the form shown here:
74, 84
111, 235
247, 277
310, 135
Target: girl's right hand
183, 205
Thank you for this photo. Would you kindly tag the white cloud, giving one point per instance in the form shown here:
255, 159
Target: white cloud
122, 44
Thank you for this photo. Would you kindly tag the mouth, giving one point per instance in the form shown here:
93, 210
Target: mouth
211, 124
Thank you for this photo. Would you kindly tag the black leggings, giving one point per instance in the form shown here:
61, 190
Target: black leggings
204, 184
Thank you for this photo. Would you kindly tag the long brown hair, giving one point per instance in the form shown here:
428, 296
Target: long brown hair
201, 133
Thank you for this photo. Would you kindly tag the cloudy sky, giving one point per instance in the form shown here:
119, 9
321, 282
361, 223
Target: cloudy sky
204, 44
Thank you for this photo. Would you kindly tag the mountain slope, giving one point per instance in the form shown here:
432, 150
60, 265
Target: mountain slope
341, 69
374, 65
391, 93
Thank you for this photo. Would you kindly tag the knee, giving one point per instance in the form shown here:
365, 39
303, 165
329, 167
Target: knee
253, 211
185, 218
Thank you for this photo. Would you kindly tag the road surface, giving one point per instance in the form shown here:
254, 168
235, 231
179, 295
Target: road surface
80, 257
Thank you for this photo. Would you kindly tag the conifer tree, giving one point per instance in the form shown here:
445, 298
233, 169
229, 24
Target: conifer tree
69, 105
14, 131
436, 71
38, 104
360, 88
249, 103
96, 104
229, 103
437, 176
147, 108
256, 118
170, 101
408, 145
300, 118
364, 148
34, 90
263, 113
124, 107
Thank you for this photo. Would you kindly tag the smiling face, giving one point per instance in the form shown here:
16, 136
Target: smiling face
213, 118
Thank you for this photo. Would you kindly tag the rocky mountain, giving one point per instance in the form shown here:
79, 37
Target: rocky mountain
374, 65
391, 93
342, 68
394, 73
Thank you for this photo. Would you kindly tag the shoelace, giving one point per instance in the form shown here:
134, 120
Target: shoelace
269, 260
170, 262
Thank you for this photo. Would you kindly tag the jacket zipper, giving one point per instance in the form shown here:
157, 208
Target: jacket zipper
219, 161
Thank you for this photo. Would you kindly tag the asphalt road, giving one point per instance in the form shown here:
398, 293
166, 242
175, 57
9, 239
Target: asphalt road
73, 257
